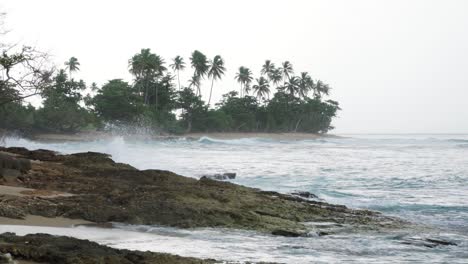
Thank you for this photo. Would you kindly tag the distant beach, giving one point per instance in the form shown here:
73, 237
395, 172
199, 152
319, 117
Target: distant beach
86, 136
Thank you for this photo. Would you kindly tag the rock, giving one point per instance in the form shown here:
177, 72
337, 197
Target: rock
441, 242
221, 177
303, 194
107, 191
43, 248
287, 233
9, 162
6, 259
427, 242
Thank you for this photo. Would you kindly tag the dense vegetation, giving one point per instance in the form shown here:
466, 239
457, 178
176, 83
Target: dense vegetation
276, 101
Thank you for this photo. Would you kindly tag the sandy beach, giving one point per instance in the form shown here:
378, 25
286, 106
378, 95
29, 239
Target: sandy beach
35, 220
87, 136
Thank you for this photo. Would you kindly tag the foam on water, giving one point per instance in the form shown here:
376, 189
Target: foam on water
421, 178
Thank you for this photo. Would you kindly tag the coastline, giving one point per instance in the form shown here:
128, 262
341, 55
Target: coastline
36, 220
96, 135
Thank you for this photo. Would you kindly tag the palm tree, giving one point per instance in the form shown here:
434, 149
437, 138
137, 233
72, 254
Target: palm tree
321, 88
200, 65
262, 88
292, 85
147, 67
217, 69
194, 81
275, 76
72, 65
244, 77
94, 87
306, 84
287, 70
177, 66
267, 68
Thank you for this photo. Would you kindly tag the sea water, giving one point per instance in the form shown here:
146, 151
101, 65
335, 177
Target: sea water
420, 178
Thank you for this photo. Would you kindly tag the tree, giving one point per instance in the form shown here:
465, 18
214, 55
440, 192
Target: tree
72, 65
147, 68
217, 69
24, 73
192, 106
262, 88
275, 76
200, 65
267, 68
178, 65
286, 70
61, 111
194, 81
321, 88
292, 86
117, 101
306, 84
94, 87
242, 110
244, 77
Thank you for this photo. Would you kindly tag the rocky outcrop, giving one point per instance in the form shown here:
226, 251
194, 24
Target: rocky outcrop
220, 176
43, 248
9, 162
106, 191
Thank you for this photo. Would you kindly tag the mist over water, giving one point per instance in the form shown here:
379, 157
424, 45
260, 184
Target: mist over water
420, 178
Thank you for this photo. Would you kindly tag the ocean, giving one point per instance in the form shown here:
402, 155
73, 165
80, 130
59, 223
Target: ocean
420, 178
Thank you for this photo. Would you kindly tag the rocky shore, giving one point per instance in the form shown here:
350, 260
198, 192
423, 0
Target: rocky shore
91, 186
43, 248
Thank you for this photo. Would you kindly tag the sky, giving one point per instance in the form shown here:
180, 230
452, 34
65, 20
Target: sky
395, 66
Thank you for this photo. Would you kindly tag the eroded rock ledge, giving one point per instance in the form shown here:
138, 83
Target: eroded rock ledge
105, 191
43, 248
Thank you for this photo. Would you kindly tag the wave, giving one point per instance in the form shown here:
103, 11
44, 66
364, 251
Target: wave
240, 141
458, 140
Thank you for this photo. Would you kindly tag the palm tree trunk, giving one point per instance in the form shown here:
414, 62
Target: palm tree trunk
297, 124
211, 90
178, 78
189, 125
156, 96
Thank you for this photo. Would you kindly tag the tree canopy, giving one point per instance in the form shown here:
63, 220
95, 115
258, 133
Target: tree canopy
275, 101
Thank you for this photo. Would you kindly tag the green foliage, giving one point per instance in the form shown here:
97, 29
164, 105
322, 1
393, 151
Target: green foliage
117, 101
15, 116
192, 107
61, 111
152, 101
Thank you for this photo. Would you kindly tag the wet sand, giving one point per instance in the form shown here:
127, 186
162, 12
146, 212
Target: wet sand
21, 191
35, 220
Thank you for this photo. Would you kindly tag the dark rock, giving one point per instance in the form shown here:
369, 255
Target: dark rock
286, 233
441, 242
427, 242
45, 248
302, 194
14, 163
221, 177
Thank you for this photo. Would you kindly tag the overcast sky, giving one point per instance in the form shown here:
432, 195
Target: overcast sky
394, 66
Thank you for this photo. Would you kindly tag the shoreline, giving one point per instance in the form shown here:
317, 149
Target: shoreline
96, 135
36, 220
